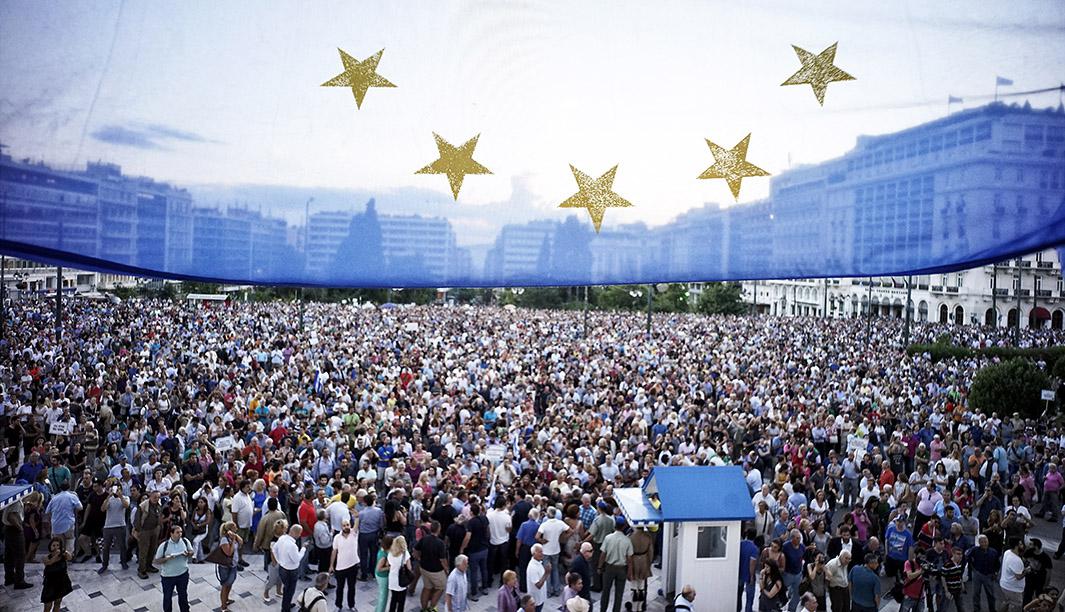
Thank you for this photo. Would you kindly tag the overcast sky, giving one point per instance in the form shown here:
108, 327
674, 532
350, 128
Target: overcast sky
202, 93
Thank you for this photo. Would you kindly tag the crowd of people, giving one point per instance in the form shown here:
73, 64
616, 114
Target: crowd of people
454, 449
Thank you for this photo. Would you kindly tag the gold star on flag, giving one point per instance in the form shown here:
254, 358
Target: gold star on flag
359, 76
596, 195
732, 165
817, 71
455, 162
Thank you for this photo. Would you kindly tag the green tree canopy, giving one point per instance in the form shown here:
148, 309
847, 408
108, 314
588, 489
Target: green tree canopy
1008, 387
721, 298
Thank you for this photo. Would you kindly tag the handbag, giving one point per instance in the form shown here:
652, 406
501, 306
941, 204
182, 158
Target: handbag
405, 576
219, 556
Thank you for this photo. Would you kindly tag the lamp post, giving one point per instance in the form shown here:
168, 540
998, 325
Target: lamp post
824, 308
59, 303
869, 313
585, 335
909, 309
1017, 331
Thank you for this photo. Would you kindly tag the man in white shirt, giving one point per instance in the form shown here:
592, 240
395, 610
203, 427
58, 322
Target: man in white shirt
344, 563
550, 535
536, 575
289, 555
338, 512
499, 525
1012, 578
242, 509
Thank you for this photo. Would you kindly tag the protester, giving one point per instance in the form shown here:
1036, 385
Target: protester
344, 564
382, 572
820, 413
273, 570
226, 571
289, 555
398, 561
173, 558
458, 587
312, 599
56, 583
431, 553
15, 546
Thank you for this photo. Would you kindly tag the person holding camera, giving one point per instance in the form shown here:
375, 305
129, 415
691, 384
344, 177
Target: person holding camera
114, 508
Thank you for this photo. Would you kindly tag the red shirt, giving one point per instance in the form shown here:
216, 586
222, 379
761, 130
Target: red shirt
307, 516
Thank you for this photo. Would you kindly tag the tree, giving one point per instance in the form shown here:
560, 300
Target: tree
1008, 387
721, 298
673, 299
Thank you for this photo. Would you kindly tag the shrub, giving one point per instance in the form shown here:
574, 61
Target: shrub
1008, 387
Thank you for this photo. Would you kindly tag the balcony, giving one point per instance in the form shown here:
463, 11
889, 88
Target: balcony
952, 289
937, 288
1046, 265
1043, 293
1022, 292
1024, 263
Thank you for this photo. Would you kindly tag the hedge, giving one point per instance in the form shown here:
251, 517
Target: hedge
1049, 355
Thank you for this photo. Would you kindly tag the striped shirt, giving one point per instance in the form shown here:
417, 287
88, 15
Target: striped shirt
951, 573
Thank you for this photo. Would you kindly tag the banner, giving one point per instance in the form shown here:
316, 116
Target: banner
388, 146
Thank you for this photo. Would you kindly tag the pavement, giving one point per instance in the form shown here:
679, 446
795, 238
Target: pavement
122, 591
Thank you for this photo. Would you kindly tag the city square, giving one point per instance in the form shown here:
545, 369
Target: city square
537, 307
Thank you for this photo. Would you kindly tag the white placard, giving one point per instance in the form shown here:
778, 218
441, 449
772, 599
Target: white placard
1047, 395
411, 326
857, 445
61, 428
224, 443
495, 453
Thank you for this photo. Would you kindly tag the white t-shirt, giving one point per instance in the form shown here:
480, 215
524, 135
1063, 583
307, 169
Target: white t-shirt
551, 529
498, 526
347, 550
337, 512
1012, 566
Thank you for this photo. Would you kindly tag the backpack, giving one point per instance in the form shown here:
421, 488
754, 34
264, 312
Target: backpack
166, 545
303, 601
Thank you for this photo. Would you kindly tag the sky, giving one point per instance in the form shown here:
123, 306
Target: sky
228, 94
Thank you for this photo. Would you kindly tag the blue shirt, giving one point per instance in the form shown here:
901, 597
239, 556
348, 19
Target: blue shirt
793, 557
748, 550
457, 586
178, 565
898, 543
865, 586
384, 455
984, 561
527, 532
63, 509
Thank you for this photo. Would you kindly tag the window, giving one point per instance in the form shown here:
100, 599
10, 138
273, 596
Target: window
1033, 134
711, 543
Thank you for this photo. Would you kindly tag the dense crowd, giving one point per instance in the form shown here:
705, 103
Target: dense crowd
454, 446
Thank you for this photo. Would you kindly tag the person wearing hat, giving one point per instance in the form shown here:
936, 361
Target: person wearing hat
615, 564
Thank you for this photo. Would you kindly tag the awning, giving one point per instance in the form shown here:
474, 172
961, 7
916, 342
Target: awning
1040, 314
637, 509
10, 494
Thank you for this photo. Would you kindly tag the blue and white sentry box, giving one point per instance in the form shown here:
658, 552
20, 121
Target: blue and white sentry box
701, 510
